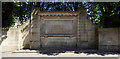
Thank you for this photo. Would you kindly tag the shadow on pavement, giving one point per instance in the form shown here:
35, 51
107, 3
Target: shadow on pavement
88, 52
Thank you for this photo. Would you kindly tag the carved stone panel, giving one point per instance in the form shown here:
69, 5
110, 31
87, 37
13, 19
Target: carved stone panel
58, 31
59, 27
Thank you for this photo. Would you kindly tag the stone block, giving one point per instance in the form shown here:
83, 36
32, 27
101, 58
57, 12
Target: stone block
82, 45
35, 37
109, 39
108, 47
108, 36
58, 42
35, 45
35, 30
26, 46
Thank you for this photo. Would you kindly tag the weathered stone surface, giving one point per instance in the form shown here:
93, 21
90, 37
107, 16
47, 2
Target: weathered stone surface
57, 29
86, 31
58, 42
83, 45
108, 47
16, 38
36, 30
118, 39
108, 39
64, 30
108, 36
35, 45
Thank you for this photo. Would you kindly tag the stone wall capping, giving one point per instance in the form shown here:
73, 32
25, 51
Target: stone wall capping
58, 13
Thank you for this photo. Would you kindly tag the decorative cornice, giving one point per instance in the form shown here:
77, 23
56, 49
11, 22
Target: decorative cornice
58, 13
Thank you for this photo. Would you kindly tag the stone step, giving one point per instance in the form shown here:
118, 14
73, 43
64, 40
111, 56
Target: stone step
25, 51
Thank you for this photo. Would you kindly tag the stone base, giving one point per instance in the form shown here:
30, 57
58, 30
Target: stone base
58, 42
108, 47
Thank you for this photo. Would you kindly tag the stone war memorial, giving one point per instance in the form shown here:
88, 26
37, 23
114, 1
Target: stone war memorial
67, 30
62, 30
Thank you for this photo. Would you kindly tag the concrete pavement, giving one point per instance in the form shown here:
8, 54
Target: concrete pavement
35, 53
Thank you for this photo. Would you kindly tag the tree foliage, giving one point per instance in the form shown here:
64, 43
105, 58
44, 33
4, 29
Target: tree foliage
106, 14
7, 17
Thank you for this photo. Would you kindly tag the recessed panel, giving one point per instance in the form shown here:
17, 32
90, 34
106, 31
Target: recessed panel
59, 27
